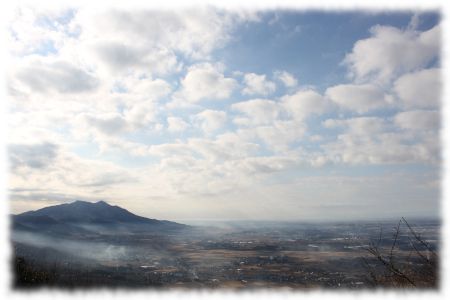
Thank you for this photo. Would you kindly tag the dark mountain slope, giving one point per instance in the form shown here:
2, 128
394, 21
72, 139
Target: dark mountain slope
83, 214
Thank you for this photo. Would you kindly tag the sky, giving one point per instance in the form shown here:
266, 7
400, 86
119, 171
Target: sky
211, 114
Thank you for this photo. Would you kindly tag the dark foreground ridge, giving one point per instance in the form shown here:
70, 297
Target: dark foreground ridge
79, 215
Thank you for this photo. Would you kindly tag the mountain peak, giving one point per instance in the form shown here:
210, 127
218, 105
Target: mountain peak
79, 202
99, 212
72, 218
84, 203
102, 203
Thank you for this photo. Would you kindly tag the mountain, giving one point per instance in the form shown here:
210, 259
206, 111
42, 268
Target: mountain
82, 217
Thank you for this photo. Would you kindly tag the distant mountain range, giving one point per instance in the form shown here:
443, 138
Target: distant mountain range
81, 217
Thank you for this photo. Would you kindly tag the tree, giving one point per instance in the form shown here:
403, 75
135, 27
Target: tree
388, 267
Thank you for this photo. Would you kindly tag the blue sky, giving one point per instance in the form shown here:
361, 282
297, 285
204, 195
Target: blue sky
208, 113
314, 53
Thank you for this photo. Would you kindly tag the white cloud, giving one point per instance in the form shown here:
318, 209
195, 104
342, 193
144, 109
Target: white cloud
256, 166
277, 136
195, 32
278, 124
57, 171
257, 85
109, 124
141, 113
287, 78
176, 124
358, 98
41, 75
123, 57
37, 156
305, 103
388, 148
210, 120
257, 112
421, 89
147, 89
170, 149
373, 140
223, 148
418, 120
104, 81
391, 51
206, 82
234, 146
150, 40
39, 31
360, 125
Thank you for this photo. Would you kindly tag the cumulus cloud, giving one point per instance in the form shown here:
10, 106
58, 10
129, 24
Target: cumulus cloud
44, 76
40, 31
359, 125
141, 114
286, 78
151, 41
305, 103
170, 149
110, 123
257, 112
176, 124
373, 140
37, 156
278, 124
391, 51
420, 89
225, 146
146, 88
277, 136
255, 166
120, 57
418, 120
195, 32
210, 120
144, 84
350, 149
66, 174
206, 82
222, 148
358, 98
257, 85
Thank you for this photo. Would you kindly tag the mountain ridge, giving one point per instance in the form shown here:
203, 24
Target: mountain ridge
101, 214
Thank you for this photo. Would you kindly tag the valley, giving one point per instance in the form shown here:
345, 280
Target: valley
242, 255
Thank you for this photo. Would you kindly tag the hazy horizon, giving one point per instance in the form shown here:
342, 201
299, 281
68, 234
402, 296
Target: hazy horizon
212, 114
250, 221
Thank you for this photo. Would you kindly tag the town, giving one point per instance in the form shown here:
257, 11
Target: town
289, 255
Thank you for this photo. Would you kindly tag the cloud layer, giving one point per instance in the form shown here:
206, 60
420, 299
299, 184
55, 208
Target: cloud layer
140, 108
